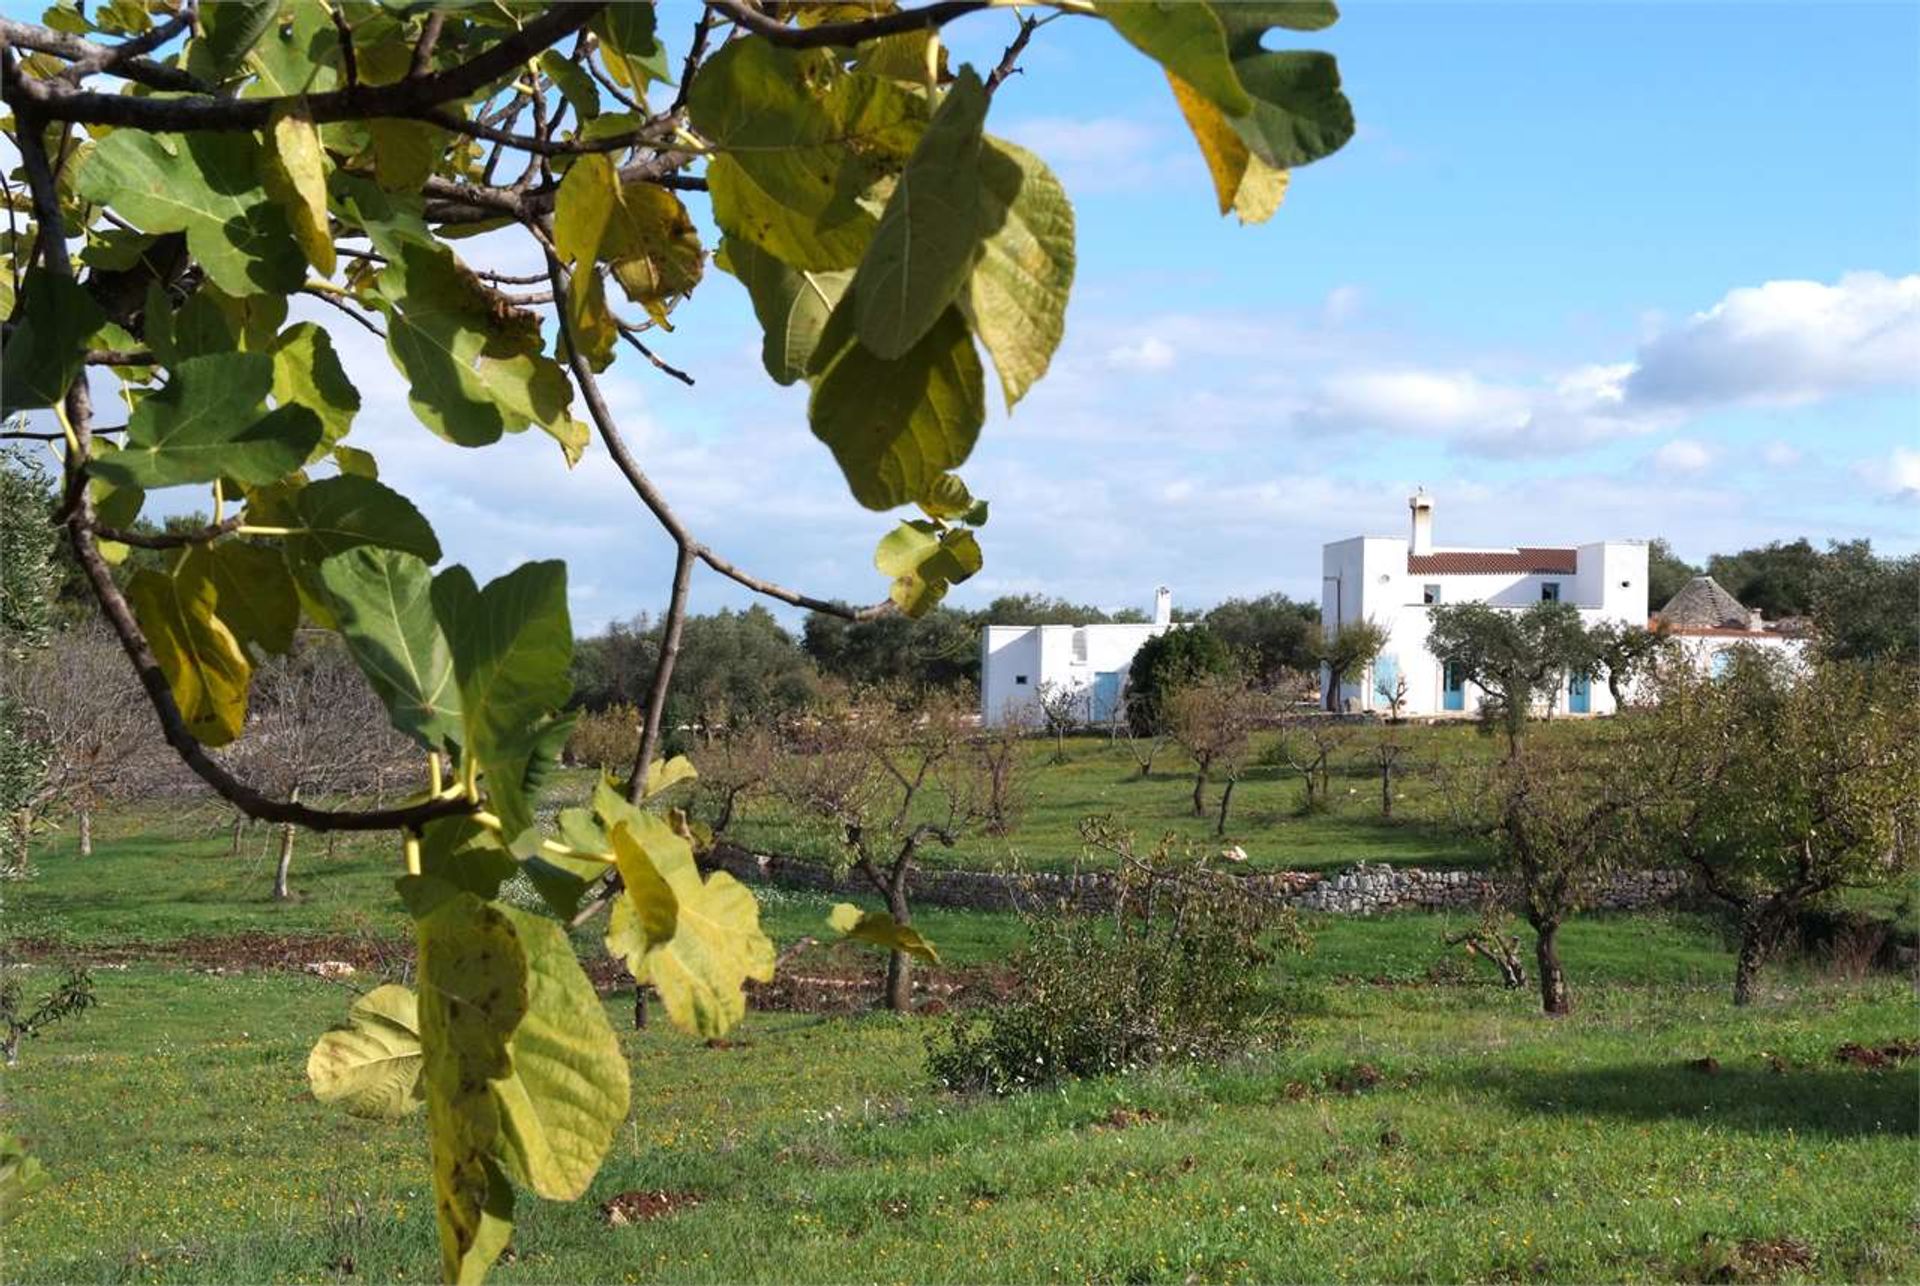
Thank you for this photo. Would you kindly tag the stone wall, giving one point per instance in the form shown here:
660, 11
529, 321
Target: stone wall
1360, 890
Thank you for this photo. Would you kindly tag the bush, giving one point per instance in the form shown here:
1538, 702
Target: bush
608, 738
1166, 662
1175, 970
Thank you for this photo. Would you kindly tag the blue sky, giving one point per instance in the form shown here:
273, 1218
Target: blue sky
1588, 271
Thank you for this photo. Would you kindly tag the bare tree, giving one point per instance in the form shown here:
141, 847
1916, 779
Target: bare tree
1063, 708
1001, 756
1394, 693
891, 775
87, 713
316, 729
1385, 751
1308, 744
1213, 718
1145, 737
738, 762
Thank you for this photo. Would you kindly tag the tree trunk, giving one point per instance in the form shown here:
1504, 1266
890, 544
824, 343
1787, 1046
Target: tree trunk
899, 964
86, 831
1553, 982
1200, 791
1386, 790
281, 893
1226, 798
239, 829
640, 1007
1755, 938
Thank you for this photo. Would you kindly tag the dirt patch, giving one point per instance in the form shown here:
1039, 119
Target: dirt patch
1357, 1079
251, 951
638, 1207
1875, 1057
1125, 1118
818, 981
1708, 1066
1754, 1259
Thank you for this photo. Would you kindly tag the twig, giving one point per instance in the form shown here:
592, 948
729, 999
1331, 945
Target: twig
429, 37
627, 334
670, 629
45, 40
1009, 61
328, 297
167, 539
696, 50
349, 61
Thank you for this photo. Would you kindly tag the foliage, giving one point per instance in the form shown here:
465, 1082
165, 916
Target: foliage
1786, 784
938, 650
1274, 636
1626, 653
1515, 658
21, 1175
73, 995
1041, 609
27, 543
1779, 579
607, 738
1163, 664
1864, 603
283, 154
1177, 970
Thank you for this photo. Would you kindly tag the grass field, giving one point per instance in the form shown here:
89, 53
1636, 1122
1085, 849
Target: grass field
1100, 776
1495, 1144
1410, 1131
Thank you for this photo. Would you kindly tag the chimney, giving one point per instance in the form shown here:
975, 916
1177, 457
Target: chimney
1163, 606
1422, 506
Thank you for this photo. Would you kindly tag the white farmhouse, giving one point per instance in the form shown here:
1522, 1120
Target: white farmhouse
1396, 582
1708, 623
1090, 660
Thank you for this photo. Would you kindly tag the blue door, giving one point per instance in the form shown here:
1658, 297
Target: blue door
1453, 688
1386, 679
1104, 704
1580, 694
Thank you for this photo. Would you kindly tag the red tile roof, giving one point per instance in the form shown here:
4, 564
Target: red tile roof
1471, 562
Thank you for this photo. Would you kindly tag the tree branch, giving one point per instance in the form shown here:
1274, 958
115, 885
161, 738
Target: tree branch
1010, 60
44, 40
662, 683
411, 97
167, 539
844, 33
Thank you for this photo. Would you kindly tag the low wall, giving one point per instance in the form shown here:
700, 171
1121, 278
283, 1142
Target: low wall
1360, 890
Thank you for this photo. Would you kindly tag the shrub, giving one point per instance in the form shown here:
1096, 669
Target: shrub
606, 738
1174, 970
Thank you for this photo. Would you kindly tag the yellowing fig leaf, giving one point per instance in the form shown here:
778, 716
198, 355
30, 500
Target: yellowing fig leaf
1185, 38
792, 306
203, 663
1017, 295
663, 774
881, 929
696, 941
1241, 181
307, 371
372, 1066
570, 1085
296, 177
924, 561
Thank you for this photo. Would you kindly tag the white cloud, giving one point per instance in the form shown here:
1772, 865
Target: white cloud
1787, 342
1103, 153
1149, 354
1780, 455
1682, 455
1898, 476
1342, 305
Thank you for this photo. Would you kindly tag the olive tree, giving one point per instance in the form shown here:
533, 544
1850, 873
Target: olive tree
1787, 782
205, 193
1514, 657
1347, 652
1213, 719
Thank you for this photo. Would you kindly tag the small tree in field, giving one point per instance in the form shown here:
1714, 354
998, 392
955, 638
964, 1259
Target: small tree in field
736, 764
1393, 691
1515, 658
1145, 736
1385, 751
1353, 648
1063, 708
1309, 742
85, 713
1001, 757
890, 775
1213, 719
1786, 784
1558, 818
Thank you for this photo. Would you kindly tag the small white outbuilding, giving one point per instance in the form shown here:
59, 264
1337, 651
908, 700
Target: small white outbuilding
1090, 661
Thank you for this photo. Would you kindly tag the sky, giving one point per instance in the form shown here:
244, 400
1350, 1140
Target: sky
1586, 272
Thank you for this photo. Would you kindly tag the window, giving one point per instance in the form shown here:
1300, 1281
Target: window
1550, 591
1430, 595
1080, 647
1020, 679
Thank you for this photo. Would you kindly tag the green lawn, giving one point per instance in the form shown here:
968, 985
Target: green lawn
1101, 777
1496, 1145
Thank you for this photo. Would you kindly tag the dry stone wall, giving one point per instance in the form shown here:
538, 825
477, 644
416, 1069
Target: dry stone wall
1364, 889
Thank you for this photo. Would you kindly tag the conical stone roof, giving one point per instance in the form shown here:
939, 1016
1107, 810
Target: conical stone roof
1702, 605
